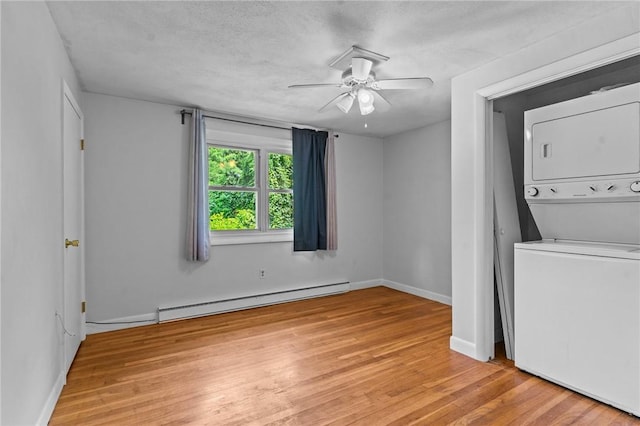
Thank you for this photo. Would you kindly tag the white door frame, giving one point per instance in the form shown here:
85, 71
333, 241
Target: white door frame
472, 292
604, 55
68, 94
0, 213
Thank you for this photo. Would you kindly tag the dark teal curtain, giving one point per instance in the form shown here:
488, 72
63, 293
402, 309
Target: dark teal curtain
309, 200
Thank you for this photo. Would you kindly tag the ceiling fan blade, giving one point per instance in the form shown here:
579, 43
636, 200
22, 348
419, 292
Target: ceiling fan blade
360, 68
381, 103
305, 86
333, 101
404, 83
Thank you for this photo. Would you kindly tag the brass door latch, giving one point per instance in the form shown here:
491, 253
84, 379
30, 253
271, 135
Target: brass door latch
74, 243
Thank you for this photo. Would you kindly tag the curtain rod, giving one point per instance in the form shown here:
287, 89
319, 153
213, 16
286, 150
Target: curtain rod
185, 112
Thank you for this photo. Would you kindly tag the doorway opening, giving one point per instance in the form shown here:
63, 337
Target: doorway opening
512, 107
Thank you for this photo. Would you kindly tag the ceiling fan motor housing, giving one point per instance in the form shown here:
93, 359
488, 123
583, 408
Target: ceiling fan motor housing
349, 81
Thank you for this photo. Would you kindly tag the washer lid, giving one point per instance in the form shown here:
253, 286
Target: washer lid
621, 251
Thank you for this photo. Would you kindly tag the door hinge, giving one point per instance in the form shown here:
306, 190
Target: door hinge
84, 307
81, 144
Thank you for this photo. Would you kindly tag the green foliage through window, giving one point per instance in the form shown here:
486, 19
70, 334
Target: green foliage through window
232, 167
232, 210
280, 191
280, 210
280, 171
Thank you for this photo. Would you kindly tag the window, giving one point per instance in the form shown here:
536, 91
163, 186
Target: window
233, 192
280, 191
250, 188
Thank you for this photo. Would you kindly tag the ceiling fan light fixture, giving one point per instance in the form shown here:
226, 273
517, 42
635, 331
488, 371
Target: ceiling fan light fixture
346, 103
365, 101
367, 109
365, 97
359, 82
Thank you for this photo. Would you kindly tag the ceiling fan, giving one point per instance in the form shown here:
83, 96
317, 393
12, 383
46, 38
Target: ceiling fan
360, 82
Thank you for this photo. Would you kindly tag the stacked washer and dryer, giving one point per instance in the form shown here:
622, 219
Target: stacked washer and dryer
577, 291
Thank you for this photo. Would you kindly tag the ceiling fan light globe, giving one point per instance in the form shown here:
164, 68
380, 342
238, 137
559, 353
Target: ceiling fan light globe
366, 109
345, 104
365, 97
365, 101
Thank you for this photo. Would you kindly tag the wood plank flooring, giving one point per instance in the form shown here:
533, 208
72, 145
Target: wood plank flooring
367, 357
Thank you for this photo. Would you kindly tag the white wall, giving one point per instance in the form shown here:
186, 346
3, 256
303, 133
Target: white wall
34, 63
136, 179
417, 211
570, 51
0, 216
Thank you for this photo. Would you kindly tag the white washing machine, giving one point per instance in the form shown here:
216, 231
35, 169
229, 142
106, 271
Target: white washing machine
577, 322
577, 292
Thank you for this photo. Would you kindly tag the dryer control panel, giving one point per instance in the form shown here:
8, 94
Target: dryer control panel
586, 191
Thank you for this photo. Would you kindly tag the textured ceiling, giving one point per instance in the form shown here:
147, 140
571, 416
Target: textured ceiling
239, 57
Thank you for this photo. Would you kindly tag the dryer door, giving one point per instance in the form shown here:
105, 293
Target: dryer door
597, 143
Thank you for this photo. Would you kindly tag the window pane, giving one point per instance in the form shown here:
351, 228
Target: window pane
280, 210
229, 210
280, 171
232, 167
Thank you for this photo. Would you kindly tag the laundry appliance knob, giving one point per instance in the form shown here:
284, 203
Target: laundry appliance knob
532, 191
635, 186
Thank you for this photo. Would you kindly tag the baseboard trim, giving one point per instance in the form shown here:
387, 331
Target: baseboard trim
425, 294
463, 346
366, 284
212, 307
152, 317
52, 399
121, 323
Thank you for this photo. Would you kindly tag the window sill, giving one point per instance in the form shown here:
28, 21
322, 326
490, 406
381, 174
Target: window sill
233, 238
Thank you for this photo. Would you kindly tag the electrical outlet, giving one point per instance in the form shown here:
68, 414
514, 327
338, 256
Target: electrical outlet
262, 274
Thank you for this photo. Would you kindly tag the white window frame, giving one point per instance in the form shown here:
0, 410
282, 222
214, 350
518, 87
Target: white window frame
263, 147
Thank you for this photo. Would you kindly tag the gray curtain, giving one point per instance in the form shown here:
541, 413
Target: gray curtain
309, 188
330, 179
198, 208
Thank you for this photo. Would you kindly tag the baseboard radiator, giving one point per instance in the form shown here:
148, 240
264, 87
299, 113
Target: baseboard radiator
172, 313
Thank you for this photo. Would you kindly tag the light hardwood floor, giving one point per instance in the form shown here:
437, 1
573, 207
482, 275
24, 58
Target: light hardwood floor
367, 357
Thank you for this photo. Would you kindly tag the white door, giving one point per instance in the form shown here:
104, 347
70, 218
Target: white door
506, 227
73, 287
